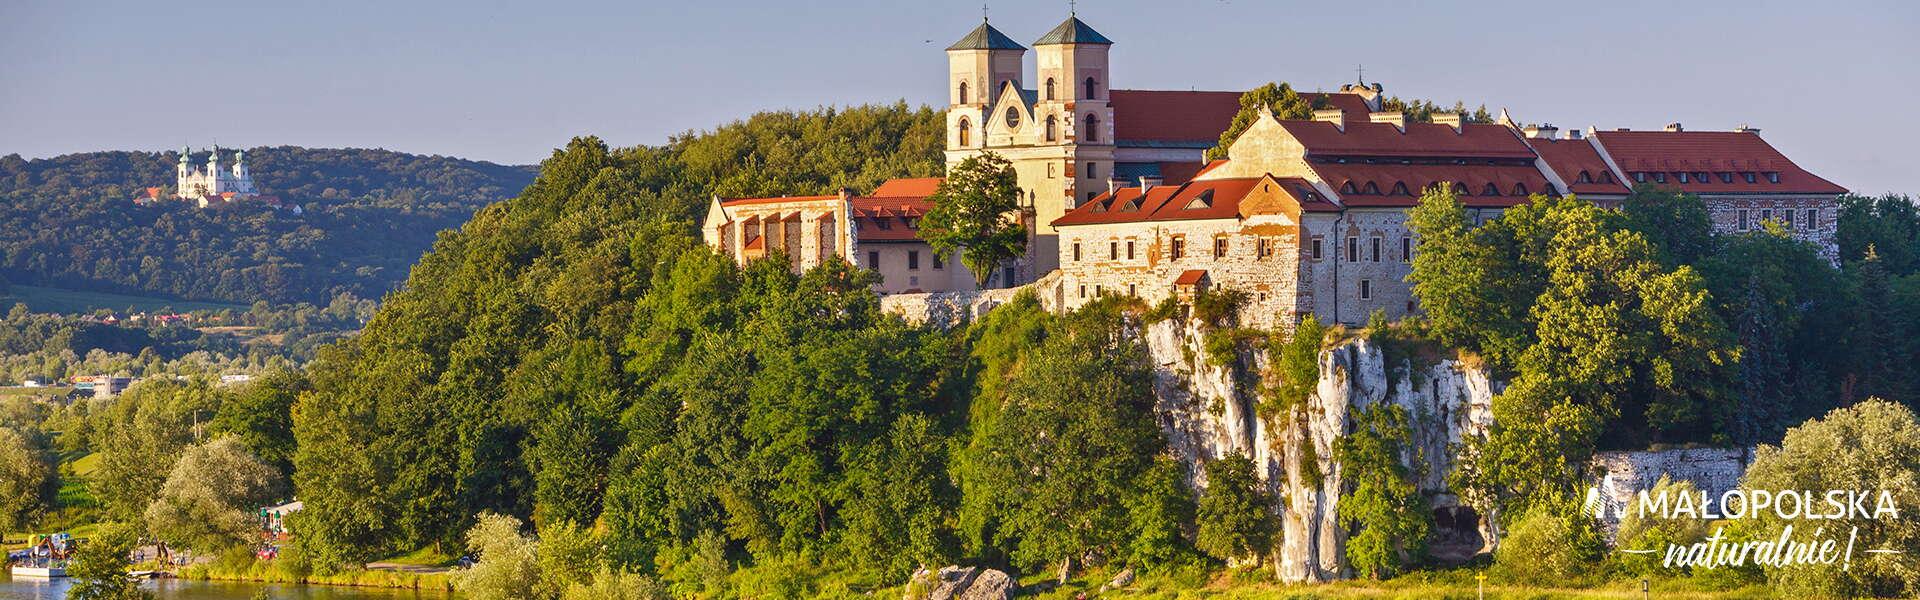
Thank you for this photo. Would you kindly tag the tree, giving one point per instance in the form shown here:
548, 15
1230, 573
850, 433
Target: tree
972, 214
1889, 225
1675, 222
210, 500
27, 480
509, 567
1381, 501
260, 415
99, 568
1235, 515
1883, 347
1477, 285
1871, 446
1277, 97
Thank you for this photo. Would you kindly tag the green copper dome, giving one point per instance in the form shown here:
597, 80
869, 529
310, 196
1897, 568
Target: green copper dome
1073, 31
985, 37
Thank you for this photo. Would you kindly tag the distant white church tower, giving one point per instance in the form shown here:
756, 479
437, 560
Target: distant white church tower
213, 184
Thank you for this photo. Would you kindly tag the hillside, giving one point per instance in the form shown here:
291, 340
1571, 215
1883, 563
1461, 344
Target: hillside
68, 222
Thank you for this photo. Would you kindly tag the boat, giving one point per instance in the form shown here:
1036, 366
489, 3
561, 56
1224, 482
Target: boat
49, 572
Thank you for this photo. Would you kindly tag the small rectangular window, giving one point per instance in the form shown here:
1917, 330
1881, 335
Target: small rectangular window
1129, 249
937, 263
1261, 249
1353, 249
1766, 214
873, 260
1096, 290
1786, 217
1316, 249
1113, 250
1176, 247
1813, 218
1219, 247
913, 260
1366, 289
1083, 290
1093, 170
1374, 252
1131, 290
1406, 249
1076, 252
1743, 219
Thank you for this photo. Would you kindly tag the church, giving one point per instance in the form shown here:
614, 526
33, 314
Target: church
1305, 216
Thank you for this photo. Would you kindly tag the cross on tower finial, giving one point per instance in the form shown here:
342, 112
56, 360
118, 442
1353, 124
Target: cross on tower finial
983, 12
1072, 8
1360, 74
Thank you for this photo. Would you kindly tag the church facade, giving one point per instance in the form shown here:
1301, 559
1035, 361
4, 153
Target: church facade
213, 184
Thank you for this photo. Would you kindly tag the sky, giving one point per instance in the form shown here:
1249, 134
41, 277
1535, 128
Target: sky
1829, 83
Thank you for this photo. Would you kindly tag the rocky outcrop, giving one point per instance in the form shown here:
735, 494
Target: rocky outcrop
1208, 411
961, 583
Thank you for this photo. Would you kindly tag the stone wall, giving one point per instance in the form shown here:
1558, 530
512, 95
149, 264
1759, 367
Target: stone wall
948, 309
1619, 477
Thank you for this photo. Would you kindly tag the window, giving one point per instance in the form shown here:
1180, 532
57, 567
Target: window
873, 260
1585, 177
1640, 177
1132, 291
1684, 177
1113, 250
1316, 249
1049, 88
1786, 216
1050, 166
963, 93
1606, 177
1097, 290
1406, 249
1262, 249
1093, 88
1747, 175
1813, 218
1773, 177
1013, 118
913, 260
937, 263
1700, 176
1743, 219
1076, 252
1090, 195
1353, 249
1400, 189
1093, 128
1660, 177
1519, 189
1093, 170
1366, 289
966, 132
1220, 247
1492, 189
1177, 247
1766, 214
1726, 177
1129, 249
1375, 254
1083, 290
1053, 128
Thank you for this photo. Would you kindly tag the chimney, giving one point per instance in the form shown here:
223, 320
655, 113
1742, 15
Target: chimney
1332, 115
1575, 134
1543, 131
1745, 128
1147, 182
1675, 126
1450, 119
1391, 117
1113, 185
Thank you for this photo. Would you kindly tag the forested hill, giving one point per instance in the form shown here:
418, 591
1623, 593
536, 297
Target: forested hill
70, 222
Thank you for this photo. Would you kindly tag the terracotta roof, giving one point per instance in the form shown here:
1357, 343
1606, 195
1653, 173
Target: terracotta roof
1361, 184
915, 187
1204, 199
892, 219
1578, 164
1175, 173
1148, 117
1190, 277
1726, 157
1428, 140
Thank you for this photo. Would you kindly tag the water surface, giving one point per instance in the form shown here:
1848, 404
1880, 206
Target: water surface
175, 589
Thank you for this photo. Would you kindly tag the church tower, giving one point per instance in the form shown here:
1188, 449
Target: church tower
1059, 137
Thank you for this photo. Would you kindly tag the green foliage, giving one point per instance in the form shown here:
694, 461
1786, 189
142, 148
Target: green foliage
1873, 445
509, 566
1889, 224
1884, 349
1477, 285
1654, 531
1235, 515
27, 479
1789, 308
1676, 223
1551, 542
99, 567
1217, 307
139, 435
1277, 97
1295, 361
1381, 500
368, 215
970, 215
210, 499
260, 416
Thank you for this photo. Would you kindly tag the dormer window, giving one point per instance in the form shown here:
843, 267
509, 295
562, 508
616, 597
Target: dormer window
1460, 189
1683, 176
1204, 200
1585, 177
1348, 188
1520, 189
1640, 176
1660, 177
1400, 188
1773, 177
1726, 177
1372, 189
1700, 176
1747, 175
1491, 190
1606, 177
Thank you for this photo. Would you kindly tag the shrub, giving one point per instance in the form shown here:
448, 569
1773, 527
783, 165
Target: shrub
509, 566
1551, 542
1235, 511
1295, 361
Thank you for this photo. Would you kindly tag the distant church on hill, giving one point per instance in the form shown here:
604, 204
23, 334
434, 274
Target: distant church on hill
1305, 216
212, 185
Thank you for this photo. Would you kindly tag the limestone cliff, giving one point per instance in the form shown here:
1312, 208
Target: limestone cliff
1208, 412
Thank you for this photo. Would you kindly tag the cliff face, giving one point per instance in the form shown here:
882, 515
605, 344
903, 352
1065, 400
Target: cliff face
1208, 412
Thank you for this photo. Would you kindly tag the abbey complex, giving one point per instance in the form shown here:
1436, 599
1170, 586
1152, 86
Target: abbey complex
1305, 216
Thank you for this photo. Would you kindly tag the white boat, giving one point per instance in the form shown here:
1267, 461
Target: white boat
40, 572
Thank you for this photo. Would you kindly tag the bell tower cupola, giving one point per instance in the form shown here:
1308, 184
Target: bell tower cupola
978, 66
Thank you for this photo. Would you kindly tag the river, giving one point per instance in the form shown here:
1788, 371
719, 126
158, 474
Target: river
175, 589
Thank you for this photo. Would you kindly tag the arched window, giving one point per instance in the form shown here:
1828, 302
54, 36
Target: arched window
1372, 189
1049, 88
1093, 127
1491, 190
1348, 188
963, 92
966, 132
1585, 177
1093, 89
1519, 189
1053, 127
1460, 189
1400, 188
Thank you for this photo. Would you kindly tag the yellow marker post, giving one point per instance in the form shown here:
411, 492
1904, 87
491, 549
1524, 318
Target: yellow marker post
1481, 580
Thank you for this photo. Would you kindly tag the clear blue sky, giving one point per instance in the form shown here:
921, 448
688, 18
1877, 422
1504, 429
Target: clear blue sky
1830, 83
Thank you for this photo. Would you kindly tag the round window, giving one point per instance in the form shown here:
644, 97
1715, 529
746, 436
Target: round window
1013, 117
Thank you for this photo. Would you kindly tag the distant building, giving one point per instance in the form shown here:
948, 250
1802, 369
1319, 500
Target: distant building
878, 232
213, 186
102, 386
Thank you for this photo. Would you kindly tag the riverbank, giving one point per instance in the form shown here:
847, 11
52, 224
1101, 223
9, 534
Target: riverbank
258, 571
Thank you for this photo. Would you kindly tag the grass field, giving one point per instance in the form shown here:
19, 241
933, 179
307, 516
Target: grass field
56, 300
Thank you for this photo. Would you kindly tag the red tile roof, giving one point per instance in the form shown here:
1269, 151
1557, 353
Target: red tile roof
1575, 161
1725, 156
1429, 140
1204, 199
916, 187
901, 217
1163, 116
1190, 277
1176, 173
1398, 185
